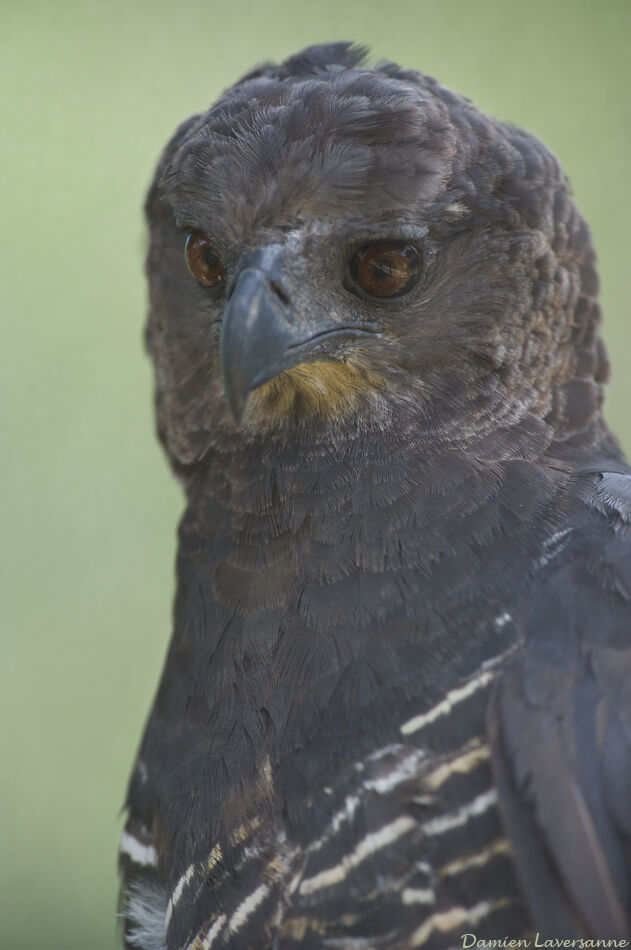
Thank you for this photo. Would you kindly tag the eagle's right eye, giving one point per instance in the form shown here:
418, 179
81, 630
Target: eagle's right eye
202, 260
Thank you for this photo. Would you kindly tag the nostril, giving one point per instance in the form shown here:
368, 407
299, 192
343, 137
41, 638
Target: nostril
280, 292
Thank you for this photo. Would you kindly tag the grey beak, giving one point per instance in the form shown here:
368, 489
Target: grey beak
257, 334
262, 335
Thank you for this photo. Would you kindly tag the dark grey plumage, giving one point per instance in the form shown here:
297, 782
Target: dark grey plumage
396, 706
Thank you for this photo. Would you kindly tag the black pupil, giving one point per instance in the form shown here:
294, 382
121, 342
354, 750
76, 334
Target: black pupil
382, 268
210, 259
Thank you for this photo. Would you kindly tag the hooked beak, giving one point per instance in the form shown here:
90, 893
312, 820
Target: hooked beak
262, 336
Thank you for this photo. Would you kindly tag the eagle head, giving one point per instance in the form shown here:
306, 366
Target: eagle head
333, 245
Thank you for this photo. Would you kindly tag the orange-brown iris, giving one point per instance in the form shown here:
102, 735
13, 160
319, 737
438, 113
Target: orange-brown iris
202, 259
386, 268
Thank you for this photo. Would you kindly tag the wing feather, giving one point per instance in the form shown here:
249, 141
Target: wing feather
560, 732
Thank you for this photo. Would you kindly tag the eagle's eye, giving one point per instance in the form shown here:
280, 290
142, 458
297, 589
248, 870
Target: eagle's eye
202, 260
386, 268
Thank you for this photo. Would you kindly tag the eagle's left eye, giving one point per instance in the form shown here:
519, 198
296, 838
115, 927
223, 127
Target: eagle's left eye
202, 259
386, 268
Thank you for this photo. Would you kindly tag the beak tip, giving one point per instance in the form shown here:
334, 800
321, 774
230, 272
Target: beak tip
237, 413
235, 389
255, 335
236, 404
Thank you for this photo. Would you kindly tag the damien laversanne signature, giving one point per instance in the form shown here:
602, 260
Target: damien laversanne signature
541, 940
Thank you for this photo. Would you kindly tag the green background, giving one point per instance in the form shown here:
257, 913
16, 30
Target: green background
90, 93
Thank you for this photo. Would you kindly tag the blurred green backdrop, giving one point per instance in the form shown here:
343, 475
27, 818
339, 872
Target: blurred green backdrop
91, 91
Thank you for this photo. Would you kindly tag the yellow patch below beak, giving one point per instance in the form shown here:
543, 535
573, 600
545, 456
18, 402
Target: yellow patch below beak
321, 388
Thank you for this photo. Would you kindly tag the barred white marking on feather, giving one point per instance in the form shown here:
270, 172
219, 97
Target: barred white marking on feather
456, 208
453, 697
293, 884
502, 620
240, 834
461, 764
266, 774
494, 661
390, 749
209, 939
418, 895
447, 920
139, 853
177, 892
553, 546
216, 855
501, 846
556, 537
344, 814
367, 846
247, 907
480, 804
250, 851
404, 770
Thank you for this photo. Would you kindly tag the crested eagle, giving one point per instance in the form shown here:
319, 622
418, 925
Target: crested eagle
396, 707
